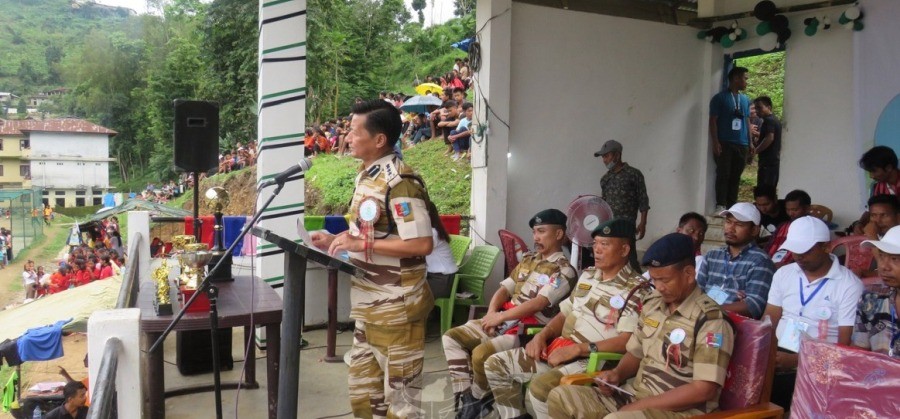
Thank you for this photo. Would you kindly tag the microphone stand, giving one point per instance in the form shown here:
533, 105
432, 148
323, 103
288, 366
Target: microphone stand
213, 313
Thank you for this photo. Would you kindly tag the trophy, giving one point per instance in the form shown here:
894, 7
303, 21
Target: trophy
193, 267
163, 301
216, 200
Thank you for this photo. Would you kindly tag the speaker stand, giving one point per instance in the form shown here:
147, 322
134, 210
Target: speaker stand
197, 221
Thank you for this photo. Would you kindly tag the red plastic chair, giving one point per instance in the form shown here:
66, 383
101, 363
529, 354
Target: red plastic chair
857, 258
513, 247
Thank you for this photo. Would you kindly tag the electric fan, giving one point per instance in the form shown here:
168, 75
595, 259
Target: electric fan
584, 214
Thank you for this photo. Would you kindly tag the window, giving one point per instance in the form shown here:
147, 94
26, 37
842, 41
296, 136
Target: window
24, 144
1, 144
25, 171
98, 201
79, 193
61, 202
45, 192
79, 202
60, 193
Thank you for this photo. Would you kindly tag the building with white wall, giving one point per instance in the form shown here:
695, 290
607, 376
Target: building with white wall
561, 82
68, 158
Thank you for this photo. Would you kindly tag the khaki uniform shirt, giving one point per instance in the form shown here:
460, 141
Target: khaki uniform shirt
395, 292
708, 340
552, 278
588, 309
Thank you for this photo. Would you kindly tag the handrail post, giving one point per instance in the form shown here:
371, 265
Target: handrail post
139, 222
122, 325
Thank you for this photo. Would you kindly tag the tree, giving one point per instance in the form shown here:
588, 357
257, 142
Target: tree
463, 7
419, 6
22, 109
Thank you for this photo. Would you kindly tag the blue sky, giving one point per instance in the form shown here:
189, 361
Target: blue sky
441, 12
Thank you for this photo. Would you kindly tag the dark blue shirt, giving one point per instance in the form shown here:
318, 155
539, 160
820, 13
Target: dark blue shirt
723, 106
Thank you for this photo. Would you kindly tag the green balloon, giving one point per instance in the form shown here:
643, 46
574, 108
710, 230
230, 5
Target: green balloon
811, 30
743, 36
727, 42
843, 19
701, 35
763, 28
858, 25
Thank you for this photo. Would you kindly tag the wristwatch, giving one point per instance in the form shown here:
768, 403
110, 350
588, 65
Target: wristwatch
593, 347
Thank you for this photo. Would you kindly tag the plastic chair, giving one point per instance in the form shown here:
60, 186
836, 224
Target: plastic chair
470, 278
513, 248
857, 258
821, 212
459, 246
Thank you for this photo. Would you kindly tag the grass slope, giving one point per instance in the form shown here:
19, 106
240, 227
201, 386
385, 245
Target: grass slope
329, 183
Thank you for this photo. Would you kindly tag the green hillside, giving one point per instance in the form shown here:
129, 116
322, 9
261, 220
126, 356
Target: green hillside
35, 36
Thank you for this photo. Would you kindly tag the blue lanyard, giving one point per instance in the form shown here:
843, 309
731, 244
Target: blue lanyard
803, 300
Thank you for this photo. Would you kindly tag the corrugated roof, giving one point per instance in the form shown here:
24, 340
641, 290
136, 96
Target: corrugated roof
71, 125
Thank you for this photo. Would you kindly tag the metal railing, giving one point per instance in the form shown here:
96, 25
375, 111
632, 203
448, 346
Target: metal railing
102, 404
130, 279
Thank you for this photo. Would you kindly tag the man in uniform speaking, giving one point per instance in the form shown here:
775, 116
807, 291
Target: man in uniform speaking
389, 236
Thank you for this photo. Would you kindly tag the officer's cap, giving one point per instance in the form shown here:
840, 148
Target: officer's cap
669, 250
617, 227
550, 216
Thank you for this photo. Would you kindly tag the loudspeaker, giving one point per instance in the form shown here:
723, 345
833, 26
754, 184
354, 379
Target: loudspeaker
196, 147
193, 353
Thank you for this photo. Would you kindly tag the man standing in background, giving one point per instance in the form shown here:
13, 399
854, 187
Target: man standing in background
729, 136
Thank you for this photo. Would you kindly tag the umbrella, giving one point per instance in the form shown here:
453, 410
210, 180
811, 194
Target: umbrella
420, 104
77, 303
428, 88
464, 44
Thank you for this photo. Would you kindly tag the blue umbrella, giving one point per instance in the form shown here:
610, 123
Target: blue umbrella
464, 44
420, 104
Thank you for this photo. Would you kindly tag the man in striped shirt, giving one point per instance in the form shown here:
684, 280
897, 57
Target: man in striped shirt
738, 275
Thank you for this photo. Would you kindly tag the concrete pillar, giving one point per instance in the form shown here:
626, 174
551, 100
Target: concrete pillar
139, 229
490, 145
123, 324
281, 125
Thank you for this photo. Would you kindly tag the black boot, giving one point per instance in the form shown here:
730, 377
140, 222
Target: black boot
467, 406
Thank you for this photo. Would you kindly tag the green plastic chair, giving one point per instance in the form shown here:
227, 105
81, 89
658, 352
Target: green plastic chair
459, 246
470, 277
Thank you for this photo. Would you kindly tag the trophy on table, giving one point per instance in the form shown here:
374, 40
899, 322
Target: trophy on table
193, 268
216, 200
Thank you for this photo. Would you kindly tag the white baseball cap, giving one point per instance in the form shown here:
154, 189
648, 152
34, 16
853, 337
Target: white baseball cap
804, 233
743, 212
889, 244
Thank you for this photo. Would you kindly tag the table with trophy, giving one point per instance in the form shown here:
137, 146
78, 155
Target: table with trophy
237, 301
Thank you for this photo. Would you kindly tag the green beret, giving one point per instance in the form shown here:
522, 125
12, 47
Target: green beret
617, 227
548, 217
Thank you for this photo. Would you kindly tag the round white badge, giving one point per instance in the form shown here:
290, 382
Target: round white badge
824, 313
677, 336
368, 211
543, 279
591, 222
617, 302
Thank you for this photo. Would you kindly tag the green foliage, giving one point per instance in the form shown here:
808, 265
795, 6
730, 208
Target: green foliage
78, 212
766, 78
329, 183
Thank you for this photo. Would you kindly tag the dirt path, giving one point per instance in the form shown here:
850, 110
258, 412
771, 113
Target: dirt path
11, 290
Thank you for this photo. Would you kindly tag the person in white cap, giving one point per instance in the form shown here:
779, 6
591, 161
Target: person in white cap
877, 326
738, 275
815, 296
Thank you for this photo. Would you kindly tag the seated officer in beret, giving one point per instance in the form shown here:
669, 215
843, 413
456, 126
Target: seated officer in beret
595, 318
678, 354
529, 296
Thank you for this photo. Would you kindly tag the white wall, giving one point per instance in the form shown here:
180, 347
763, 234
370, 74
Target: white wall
579, 79
70, 144
70, 174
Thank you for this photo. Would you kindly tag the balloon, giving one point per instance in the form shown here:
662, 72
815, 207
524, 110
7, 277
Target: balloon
733, 36
763, 28
743, 36
852, 13
858, 25
779, 23
848, 26
765, 10
843, 19
727, 42
739, 32
811, 30
701, 34
784, 36
768, 42
734, 25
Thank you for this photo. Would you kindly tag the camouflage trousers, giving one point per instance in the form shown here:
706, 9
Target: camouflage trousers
385, 376
584, 402
508, 371
467, 348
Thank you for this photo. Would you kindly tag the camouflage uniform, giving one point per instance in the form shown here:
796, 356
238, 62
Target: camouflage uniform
587, 311
705, 353
389, 306
625, 192
552, 278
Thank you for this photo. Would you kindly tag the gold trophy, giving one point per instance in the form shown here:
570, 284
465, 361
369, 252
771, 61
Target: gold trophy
163, 302
216, 200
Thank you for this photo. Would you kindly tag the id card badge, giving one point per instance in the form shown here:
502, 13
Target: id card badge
790, 338
718, 295
736, 124
779, 256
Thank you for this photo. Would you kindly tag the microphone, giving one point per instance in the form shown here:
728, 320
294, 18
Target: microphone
282, 177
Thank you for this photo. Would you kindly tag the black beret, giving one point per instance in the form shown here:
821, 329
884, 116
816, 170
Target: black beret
669, 250
548, 217
617, 227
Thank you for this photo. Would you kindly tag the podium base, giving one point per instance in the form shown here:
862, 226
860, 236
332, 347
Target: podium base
224, 272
